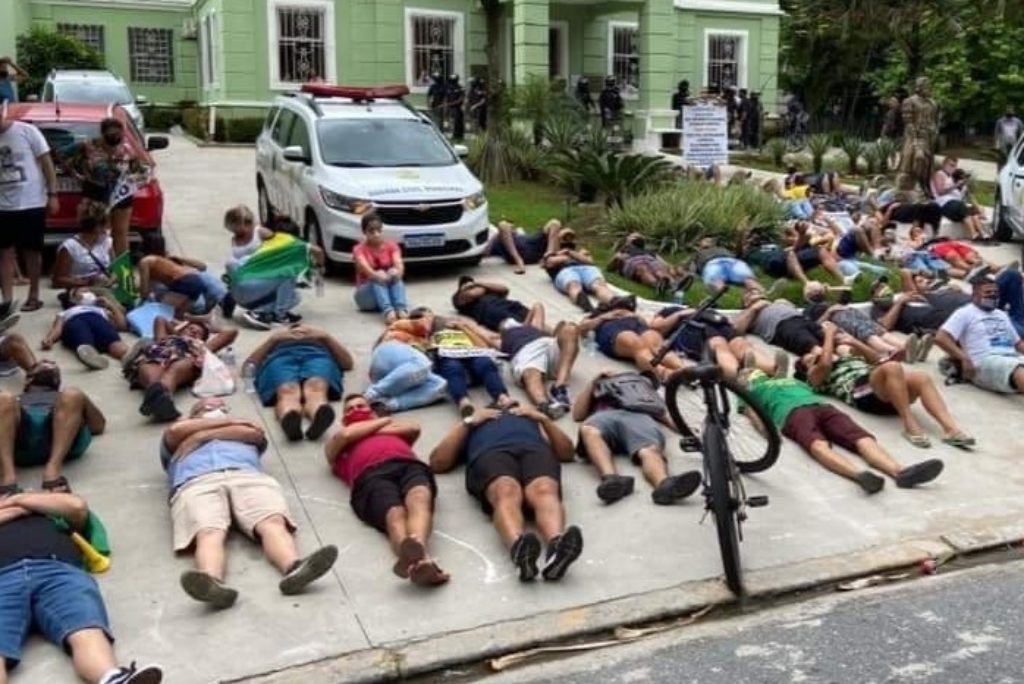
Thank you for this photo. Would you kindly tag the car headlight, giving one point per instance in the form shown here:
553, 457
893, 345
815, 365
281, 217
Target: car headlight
341, 202
475, 201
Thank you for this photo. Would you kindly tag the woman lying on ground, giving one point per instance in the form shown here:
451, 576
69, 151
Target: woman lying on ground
89, 326
641, 264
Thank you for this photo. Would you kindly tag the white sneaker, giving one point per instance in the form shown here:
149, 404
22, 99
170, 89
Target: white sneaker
91, 357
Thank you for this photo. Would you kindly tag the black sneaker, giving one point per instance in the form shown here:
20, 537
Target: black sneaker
208, 589
560, 395
583, 301
307, 570
147, 674
227, 306
291, 423
869, 482
676, 488
614, 487
164, 410
919, 473
288, 318
524, 552
258, 320
562, 552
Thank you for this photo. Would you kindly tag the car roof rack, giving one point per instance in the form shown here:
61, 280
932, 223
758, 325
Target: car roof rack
357, 94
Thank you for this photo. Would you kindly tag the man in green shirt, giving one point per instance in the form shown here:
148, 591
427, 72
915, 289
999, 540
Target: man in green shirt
807, 419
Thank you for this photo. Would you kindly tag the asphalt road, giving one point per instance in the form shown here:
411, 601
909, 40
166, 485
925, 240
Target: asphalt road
963, 627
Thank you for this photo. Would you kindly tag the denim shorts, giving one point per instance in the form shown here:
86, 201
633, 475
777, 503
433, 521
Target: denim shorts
584, 275
296, 364
50, 596
726, 270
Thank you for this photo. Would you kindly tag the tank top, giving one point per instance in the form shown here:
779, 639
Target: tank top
83, 265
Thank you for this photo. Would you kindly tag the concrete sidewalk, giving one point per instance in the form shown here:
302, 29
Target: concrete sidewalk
640, 561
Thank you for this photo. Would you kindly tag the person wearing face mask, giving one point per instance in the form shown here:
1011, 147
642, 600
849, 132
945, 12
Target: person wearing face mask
574, 274
89, 327
108, 166
392, 490
982, 339
45, 426
635, 260
213, 469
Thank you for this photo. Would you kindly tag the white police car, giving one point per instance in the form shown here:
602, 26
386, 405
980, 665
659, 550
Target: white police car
1008, 213
330, 154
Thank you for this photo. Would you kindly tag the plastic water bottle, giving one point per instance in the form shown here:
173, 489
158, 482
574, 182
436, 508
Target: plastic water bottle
318, 283
249, 377
679, 297
590, 345
228, 357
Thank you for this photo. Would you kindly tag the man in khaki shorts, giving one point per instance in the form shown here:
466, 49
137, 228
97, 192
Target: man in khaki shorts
213, 468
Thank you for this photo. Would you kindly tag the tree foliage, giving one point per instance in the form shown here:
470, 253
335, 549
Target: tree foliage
40, 51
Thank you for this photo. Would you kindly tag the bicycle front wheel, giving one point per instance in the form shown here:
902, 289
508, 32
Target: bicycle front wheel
723, 505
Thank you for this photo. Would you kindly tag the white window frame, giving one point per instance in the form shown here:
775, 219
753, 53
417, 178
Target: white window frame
743, 58
210, 40
458, 47
562, 27
612, 25
272, 47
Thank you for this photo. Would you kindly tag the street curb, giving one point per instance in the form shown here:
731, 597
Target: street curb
396, 660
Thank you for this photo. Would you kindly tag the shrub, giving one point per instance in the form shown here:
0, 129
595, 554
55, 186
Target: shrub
872, 159
490, 158
620, 176
533, 100
161, 118
40, 51
776, 149
562, 133
853, 148
241, 130
887, 150
195, 121
819, 145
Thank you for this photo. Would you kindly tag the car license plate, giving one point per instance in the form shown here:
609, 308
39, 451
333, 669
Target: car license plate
426, 240
65, 184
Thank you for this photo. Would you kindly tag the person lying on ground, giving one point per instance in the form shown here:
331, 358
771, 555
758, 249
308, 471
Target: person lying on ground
620, 413
982, 340
881, 387
45, 426
779, 323
45, 589
574, 274
171, 361
949, 188
489, 305
14, 354
919, 310
800, 185
216, 481
814, 424
812, 242
862, 239
793, 207
789, 262
298, 370
710, 335
960, 256
379, 272
625, 335
182, 286
718, 266
464, 358
392, 490
513, 465
641, 264
83, 260
90, 327
519, 248
850, 320
401, 374
913, 253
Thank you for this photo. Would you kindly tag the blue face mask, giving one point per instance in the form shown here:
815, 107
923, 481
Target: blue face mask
988, 303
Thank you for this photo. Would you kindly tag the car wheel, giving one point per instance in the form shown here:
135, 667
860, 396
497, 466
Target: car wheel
314, 234
1000, 226
264, 207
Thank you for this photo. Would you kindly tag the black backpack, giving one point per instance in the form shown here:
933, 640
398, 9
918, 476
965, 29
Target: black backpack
630, 392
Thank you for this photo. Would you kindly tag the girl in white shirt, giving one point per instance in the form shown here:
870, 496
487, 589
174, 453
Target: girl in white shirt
246, 236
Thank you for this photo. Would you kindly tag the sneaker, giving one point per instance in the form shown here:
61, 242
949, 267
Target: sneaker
162, 406
227, 306
553, 410
614, 488
562, 552
524, 552
870, 483
259, 321
919, 473
583, 301
676, 488
912, 347
208, 589
925, 348
308, 569
560, 395
91, 357
291, 424
8, 308
147, 674
288, 318
8, 321
322, 420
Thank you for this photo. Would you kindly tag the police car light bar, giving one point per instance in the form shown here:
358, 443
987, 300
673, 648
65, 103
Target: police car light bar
359, 93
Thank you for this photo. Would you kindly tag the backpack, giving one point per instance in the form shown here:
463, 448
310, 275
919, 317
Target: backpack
630, 392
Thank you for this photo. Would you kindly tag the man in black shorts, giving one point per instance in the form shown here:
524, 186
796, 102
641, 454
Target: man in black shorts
489, 305
513, 465
392, 490
779, 323
922, 307
610, 429
519, 248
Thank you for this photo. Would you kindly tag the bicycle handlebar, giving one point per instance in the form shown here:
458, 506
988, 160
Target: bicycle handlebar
670, 342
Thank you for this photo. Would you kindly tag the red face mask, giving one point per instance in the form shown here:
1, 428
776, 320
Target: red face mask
357, 415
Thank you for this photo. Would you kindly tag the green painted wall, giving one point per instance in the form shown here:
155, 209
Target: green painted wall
15, 17
117, 20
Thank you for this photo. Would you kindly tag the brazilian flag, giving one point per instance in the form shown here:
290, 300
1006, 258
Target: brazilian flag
124, 280
282, 256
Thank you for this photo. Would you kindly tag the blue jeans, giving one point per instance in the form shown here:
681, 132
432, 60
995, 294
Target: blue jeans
401, 377
1011, 297
851, 267
923, 261
726, 270
374, 296
275, 296
214, 290
461, 374
56, 598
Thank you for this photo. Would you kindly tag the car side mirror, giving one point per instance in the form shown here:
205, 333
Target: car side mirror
461, 151
157, 142
141, 99
295, 153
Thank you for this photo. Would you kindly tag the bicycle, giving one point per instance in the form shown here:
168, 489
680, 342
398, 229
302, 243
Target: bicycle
725, 496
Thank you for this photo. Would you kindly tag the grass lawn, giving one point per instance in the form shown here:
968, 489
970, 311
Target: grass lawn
531, 205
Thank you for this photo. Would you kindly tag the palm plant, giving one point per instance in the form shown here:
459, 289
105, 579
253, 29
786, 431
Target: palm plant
562, 133
853, 148
620, 176
872, 158
887, 151
533, 102
819, 145
776, 149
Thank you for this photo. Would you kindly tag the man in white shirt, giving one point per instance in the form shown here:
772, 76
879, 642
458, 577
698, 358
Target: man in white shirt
982, 339
28, 187
1008, 130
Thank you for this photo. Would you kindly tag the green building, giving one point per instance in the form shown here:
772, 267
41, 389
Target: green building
235, 55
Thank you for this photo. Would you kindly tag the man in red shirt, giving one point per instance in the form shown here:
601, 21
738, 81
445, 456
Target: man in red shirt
392, 490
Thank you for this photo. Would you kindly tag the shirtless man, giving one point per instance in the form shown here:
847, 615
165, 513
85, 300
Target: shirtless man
180, 275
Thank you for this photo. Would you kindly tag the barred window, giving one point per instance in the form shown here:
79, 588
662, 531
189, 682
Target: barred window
89, 34
624, 58
301, 44
434, 46
725, 60
151, 55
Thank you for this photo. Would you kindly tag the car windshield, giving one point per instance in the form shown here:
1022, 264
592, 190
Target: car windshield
103, 92
382, 142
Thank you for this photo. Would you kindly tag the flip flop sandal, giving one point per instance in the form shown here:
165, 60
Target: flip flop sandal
920, 441
322, 419
426, 573
58, 485
9, 489
960, 441
410, 552
32, 305
291, 424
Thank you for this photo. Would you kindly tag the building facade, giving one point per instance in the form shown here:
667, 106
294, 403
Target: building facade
235, 55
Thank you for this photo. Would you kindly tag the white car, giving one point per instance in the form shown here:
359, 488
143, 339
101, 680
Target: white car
330, 154
1008, 213
94, 86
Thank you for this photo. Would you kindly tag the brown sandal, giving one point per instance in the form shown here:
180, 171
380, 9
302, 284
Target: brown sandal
32, 305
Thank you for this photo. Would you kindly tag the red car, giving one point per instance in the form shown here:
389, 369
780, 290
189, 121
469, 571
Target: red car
65, 123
